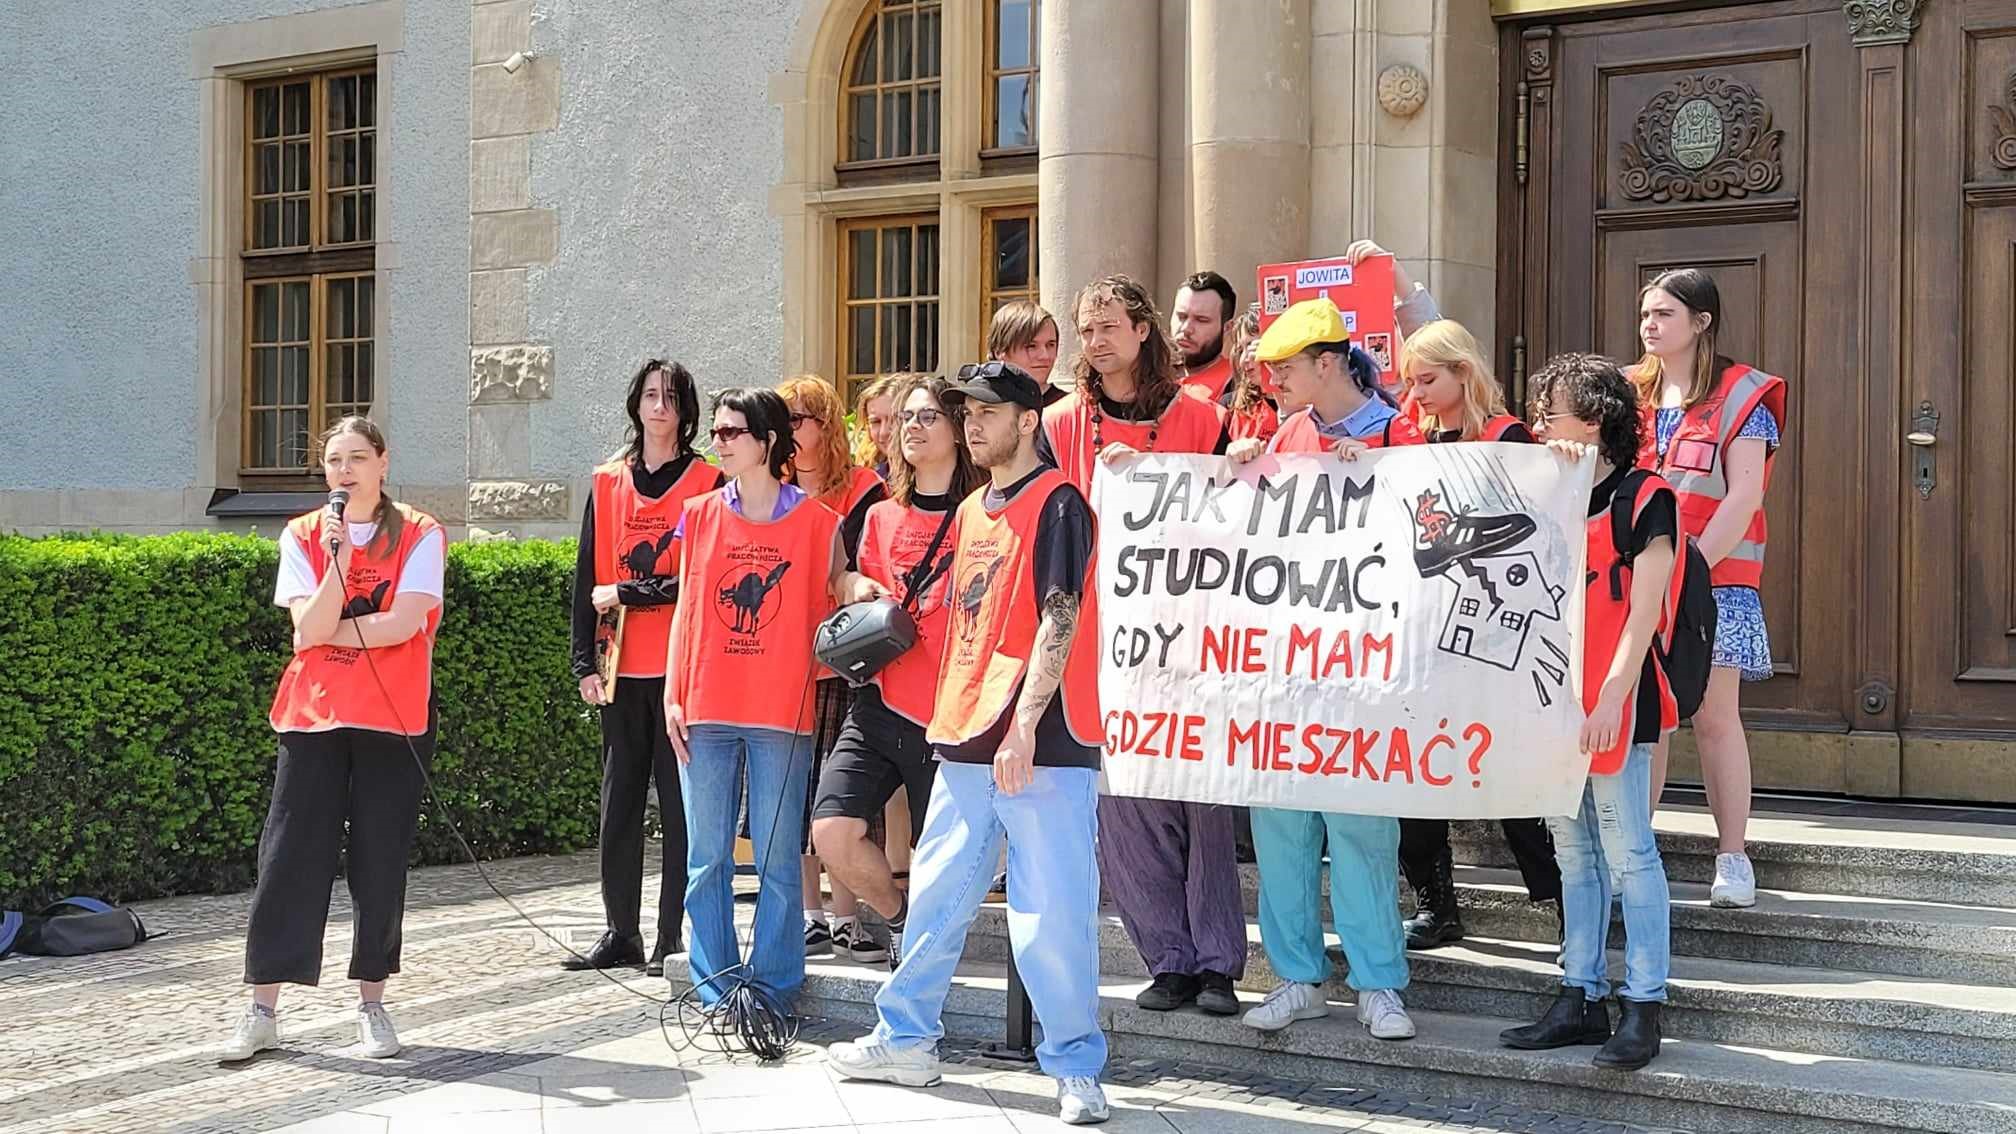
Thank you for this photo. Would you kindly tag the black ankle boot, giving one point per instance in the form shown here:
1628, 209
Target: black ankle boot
1438, 921
1572, 1019
1637, 1040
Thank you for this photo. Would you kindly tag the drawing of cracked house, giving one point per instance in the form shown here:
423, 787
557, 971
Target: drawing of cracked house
1497, 599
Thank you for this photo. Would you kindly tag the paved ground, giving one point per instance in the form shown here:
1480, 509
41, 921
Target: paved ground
498, 1039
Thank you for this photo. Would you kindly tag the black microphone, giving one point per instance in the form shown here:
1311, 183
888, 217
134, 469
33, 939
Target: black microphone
332, 524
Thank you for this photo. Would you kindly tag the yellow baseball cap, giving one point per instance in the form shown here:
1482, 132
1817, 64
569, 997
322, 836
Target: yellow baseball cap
1300, 327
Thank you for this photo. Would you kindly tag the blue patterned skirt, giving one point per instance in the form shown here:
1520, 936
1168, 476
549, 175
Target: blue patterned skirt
1740, 639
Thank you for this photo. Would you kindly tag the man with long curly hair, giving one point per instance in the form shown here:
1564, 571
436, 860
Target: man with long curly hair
1169, 866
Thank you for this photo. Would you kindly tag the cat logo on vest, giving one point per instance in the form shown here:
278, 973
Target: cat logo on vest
972, 592
744, 596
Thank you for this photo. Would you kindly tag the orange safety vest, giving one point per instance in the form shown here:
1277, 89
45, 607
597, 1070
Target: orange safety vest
1210, 382
992, 631
1696, 461
860, 482
331, 687
1189, 425
1260, 423
892, 542
1298, 434
750, 596
633, 540
1410, 406
1494, 429
1607, 606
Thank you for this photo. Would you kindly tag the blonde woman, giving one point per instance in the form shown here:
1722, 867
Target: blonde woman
875, 424
1250, 400
1459, 400
823, 466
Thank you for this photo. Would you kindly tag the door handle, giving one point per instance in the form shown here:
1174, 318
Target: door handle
1923, 437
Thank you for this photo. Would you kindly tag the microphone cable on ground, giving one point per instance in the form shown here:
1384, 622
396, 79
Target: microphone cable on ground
745, 1018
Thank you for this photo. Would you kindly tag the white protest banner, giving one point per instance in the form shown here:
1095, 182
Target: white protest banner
1394, 635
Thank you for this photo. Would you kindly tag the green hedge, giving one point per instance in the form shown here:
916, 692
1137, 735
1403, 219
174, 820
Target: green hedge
135, 678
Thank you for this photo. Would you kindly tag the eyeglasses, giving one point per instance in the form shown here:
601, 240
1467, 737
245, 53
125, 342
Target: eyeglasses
994, 369
723, 434
924, 417
798, 419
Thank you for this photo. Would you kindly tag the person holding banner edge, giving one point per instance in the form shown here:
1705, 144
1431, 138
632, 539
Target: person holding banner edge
1015, 725
1346, 414
1171, 867
627, 557
904, 552
1581, 402
1444, 370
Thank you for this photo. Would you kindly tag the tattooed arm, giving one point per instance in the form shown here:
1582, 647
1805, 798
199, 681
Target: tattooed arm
1015, 762
1063, 561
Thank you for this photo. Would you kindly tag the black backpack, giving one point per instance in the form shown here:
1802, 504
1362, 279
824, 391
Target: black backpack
1689, 653
70, 928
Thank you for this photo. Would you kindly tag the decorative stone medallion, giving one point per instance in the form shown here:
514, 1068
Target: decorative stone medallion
1403, 89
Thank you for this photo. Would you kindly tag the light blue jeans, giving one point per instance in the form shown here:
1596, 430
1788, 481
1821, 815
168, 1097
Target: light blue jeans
776, 765
1052, 827
1364, 895
1613, 831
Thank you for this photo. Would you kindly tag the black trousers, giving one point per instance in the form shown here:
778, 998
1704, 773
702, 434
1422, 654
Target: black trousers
1423, 841
634, 750
323, 780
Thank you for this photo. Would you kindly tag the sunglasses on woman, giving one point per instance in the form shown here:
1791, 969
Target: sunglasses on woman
723, 434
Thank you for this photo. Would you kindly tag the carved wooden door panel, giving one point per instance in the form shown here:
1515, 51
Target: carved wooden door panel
1960, 402
1711, 140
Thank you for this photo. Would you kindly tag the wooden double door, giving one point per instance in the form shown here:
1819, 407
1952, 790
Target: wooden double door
1856, 203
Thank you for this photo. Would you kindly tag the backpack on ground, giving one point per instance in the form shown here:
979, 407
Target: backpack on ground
1688, 653
70, 928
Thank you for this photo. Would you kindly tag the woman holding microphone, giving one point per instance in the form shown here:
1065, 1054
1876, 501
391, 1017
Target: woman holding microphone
354, 713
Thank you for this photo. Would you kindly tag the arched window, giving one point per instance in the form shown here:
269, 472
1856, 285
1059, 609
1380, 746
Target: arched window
937, 149
894, 92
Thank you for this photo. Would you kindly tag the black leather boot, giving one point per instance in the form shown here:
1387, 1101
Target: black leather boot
614, 950
1637, 1040
1437, 920
1572, 1019
665, 947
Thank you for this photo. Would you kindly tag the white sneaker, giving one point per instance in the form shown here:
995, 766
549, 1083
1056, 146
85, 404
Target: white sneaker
375, 1037
1735, 883
1384, 1016
257, 1031
1080, 1102
1289, 1002
870, 1058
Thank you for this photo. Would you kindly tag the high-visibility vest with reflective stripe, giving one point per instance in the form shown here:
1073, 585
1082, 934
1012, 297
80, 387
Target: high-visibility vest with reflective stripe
633, 540
1695, 463
332, 687
992, 633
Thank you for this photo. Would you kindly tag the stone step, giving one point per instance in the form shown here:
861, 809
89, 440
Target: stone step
1822, 1012
1967, 863
1705, 1087
1898, 937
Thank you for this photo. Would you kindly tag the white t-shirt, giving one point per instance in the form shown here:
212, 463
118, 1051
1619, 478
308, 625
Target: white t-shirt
422, 575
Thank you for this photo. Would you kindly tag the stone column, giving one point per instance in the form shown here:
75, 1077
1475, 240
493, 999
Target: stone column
1096, 182
1249, 135
508, 374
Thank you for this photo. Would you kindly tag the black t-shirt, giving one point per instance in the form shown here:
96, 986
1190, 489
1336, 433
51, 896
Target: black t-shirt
857, 521
1063, 553
1516, 432
1660, 518
652, 590
1131, 411
1052, 394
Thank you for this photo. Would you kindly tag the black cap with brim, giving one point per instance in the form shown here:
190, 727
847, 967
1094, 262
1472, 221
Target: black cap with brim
998, 383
